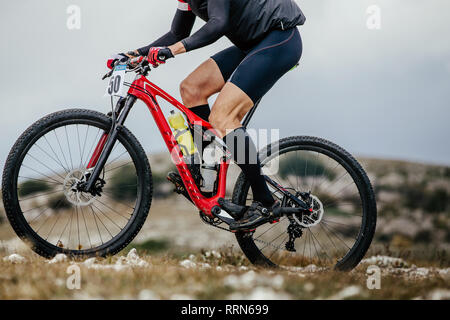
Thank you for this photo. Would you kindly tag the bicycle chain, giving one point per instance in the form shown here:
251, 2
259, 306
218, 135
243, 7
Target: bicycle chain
254, 239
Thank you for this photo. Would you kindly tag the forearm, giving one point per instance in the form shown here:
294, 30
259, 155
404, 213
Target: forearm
166, 40
177, 48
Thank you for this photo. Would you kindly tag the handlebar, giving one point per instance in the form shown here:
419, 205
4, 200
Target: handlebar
139, 64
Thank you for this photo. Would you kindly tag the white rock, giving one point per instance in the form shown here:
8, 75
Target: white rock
179, 296
251, 279
308, 287
260, 293
123, 263
444, 272
15, 258
147, 294
60, 257
89, 262
420, 272
188, 264
347, 293
248, 279
276, 282
133, 259
243, 268
386, 261
219, 268
216, 254
439, 294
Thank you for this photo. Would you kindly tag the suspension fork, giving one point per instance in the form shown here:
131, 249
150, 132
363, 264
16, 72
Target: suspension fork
107, 141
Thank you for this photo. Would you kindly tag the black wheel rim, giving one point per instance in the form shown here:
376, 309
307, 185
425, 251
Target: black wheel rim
51, 217
332, 241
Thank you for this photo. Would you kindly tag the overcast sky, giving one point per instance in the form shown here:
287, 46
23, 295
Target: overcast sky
381, 93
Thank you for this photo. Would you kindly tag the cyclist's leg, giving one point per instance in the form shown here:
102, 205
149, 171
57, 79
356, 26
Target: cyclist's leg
209, 78
202, 83
227, 114
229, 109
264, 65
256, 74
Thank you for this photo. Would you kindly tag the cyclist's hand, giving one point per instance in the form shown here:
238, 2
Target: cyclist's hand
159, 55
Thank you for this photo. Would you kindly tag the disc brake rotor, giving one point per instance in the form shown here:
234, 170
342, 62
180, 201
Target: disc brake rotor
314, 217
73, 193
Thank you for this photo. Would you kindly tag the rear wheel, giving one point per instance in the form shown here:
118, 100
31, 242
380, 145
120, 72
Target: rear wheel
340, 229
41, 192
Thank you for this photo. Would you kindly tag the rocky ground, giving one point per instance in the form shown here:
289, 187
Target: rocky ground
222, 274
177, 256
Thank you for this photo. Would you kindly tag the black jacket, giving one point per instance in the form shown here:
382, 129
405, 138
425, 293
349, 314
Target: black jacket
244, 22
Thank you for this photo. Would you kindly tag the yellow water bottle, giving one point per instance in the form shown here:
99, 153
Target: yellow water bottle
182, 134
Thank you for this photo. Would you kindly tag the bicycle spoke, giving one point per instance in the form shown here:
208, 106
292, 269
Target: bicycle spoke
46, 166
57, 161
40, 180
126, 218
49, 197
60, 148
56, 181
40, 195
68, 145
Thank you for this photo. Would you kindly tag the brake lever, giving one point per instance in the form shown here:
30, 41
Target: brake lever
109, 74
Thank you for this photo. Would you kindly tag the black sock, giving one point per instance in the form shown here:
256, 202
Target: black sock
245, 155
203, 112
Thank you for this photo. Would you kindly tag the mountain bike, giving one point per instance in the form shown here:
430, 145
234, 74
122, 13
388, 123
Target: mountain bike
78, 182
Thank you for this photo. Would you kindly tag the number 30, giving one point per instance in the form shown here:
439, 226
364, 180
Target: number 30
114, 85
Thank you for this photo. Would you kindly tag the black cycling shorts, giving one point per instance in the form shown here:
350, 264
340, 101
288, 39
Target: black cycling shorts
256, 71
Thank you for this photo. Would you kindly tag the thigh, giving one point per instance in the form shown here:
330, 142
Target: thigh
267, 62
206, 77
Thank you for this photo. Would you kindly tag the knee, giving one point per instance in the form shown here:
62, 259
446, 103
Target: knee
191, 93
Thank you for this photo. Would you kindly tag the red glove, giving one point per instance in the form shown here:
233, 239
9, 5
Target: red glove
159, 55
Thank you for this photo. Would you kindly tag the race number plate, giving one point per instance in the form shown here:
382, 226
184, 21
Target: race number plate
116, 85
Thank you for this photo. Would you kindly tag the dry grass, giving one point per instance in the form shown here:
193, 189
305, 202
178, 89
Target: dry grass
224, 274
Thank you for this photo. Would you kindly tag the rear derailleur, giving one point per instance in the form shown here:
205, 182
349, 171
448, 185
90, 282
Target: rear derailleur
294, 231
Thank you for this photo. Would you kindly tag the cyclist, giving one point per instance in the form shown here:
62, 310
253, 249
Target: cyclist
267, 44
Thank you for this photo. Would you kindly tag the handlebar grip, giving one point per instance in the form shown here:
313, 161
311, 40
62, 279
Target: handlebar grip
136, 60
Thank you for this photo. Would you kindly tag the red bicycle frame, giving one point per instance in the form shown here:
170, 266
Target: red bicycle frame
144, 90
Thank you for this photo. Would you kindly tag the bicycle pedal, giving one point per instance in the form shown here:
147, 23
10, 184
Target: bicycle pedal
179, 185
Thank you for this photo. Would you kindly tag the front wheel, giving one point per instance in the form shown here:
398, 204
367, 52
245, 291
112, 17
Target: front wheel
341, 227
43, 198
